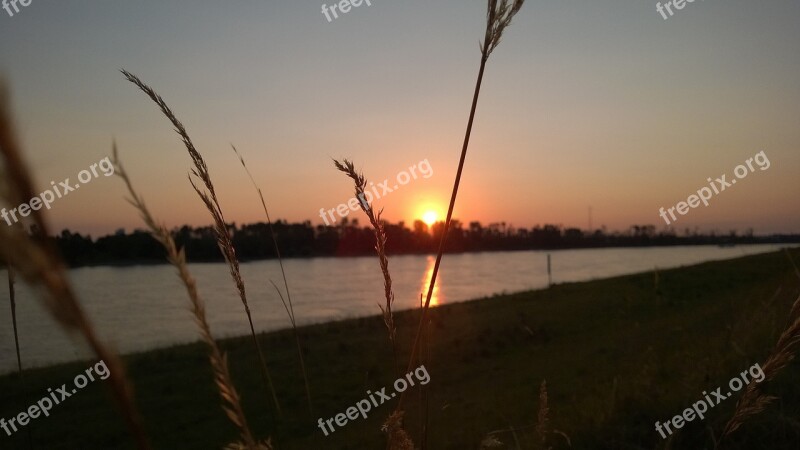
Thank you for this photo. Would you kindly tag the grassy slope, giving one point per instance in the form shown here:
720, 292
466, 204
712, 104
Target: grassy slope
617, 354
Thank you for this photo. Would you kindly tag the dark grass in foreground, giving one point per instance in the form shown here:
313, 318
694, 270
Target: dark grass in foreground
617, 354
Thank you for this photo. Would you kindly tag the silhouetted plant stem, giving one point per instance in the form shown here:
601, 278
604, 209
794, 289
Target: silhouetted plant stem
443, 240
231, 403
347, 167
290, 308
12, 297
209, 197
498, 17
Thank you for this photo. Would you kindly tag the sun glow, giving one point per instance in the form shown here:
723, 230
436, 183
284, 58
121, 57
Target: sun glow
430, 217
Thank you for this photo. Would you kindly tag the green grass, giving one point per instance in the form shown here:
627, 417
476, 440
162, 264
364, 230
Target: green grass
618, 354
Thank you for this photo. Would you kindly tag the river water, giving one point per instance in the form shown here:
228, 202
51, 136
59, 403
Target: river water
145, 307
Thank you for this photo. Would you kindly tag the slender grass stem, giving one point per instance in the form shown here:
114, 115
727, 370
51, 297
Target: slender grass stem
290, 308
12, 297
209, 197
231, 404
290, 312
498, 17
347, 167
443, 239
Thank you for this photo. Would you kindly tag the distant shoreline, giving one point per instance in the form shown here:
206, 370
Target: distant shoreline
157, 261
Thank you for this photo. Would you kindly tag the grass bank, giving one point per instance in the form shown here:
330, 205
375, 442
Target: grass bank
618, 354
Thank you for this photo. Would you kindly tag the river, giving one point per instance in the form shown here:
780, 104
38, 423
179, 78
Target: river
145, 307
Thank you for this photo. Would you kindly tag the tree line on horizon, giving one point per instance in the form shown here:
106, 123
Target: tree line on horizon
348, 238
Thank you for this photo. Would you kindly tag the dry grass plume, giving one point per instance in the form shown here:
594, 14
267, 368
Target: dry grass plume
396, 436
231, 403
209, 197
360, 183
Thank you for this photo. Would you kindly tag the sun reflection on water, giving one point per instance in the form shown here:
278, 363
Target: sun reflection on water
426, 279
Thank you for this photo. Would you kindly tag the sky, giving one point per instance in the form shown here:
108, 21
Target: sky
599, 104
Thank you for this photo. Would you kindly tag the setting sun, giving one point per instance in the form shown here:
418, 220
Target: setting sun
430, 217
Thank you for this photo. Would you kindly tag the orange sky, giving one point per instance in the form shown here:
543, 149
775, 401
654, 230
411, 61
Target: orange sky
603, 104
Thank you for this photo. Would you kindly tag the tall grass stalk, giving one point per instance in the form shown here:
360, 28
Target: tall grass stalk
424, 398
541, 429
498, 18
209, 198
12, 298
13, 301
543, 417
348, 168
230, 398
290, 307
37, 262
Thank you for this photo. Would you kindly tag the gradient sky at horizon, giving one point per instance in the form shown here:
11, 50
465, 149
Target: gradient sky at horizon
584, 103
